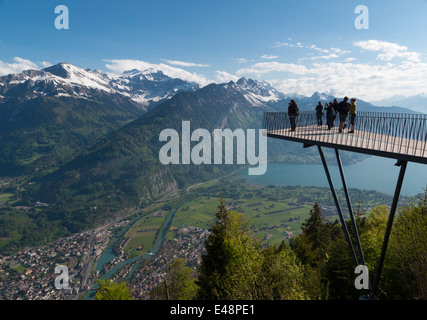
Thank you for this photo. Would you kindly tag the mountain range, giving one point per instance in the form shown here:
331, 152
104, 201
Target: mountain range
144, 88
88, 139
48, 115
417, 102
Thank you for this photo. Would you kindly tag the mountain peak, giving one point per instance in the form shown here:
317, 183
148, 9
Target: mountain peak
258, 93
59, 70
322, 96
131, 72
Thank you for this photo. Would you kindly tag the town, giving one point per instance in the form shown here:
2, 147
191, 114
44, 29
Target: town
30, 274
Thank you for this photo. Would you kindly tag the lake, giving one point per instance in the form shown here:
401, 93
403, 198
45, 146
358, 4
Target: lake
373, 173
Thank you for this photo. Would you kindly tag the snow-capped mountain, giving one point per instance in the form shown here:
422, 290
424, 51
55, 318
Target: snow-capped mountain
257, 93
141, 88
144, 88
149, 86
59, 80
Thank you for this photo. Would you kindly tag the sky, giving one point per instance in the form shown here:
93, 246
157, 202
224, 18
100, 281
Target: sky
298, 46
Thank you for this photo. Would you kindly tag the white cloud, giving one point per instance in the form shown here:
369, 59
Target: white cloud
326, 57
45, 64
375, 80
369, 82
273, 66
332, 52
349, 59
222, 76
389, 50
314, 47
119, 66
17, 66
241, 60
339, 51
268, 57
184, 64
280, 44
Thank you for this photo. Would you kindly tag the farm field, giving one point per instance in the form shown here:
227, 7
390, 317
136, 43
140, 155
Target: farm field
5, 197
273, 220
276, 213
142, 234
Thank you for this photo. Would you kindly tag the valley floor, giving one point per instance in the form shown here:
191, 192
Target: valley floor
124, 250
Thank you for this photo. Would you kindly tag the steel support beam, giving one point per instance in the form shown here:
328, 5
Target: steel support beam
350, 209
403, 165
337, 205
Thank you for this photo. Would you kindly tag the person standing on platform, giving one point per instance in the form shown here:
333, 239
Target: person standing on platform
330, 115
293, 113
353, 110
319, 114
335, 106
343, 109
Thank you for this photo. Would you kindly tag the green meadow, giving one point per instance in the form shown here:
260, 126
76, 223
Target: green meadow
276, 213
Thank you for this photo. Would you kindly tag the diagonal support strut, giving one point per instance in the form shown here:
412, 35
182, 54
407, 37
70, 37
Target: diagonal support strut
350, 209
403, 165
334, 194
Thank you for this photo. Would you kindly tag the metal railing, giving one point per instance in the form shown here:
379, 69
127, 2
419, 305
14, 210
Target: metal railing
394, 133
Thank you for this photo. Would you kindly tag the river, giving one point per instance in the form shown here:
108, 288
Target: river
109, 255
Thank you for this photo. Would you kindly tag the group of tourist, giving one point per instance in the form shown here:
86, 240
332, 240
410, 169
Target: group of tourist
343, 109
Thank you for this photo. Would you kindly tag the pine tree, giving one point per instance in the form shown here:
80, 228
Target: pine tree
313, 228
311, 246
215, 260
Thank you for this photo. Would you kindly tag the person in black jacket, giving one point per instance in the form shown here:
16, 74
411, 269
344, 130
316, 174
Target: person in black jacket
343, 110
293, 112
335, 106
319, 113
330, 115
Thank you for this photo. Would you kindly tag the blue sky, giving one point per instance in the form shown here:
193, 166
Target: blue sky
298, 46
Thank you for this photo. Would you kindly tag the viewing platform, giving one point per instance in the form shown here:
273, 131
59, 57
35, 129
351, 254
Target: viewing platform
392, 135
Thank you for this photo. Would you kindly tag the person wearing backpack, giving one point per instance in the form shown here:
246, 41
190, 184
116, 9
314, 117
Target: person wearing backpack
335, 106
330, 115
293, 112
343, 110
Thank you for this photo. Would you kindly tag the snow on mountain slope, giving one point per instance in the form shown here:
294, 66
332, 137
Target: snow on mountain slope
257, 93
149, 86
143, 87
74, 76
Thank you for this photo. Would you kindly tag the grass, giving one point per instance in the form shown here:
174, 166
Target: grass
20, 268
262, 214
276, 213
5, 197
143, 233
146, 240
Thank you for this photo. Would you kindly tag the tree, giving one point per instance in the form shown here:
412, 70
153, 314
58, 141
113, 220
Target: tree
236, 266
108, 290
281, 277
214, 261
311, 246
179, 283
405, 270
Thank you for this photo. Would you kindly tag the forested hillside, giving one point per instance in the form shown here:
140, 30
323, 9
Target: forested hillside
316, 264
